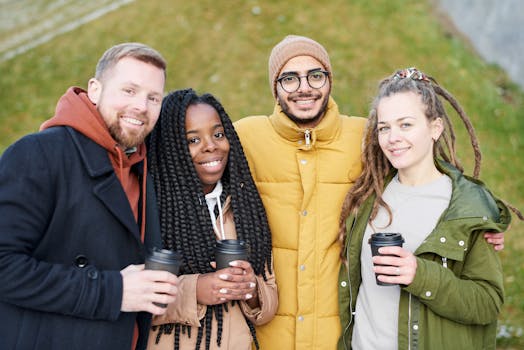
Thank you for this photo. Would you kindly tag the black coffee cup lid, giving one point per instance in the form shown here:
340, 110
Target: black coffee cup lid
231, 242
165, 253
380, 237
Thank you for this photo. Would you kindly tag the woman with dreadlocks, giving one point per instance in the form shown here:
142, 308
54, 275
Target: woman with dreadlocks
205, 192
448, 287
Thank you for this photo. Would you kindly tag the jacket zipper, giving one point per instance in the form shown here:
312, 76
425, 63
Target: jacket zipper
307, 136
349, 284
409, 322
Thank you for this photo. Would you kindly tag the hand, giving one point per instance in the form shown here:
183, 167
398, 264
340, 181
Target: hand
232, 283
497, 239
142, 288
401, 268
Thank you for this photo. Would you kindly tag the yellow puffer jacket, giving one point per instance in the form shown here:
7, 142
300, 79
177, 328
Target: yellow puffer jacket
302, 176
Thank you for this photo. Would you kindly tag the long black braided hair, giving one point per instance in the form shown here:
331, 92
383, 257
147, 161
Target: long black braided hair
184, 217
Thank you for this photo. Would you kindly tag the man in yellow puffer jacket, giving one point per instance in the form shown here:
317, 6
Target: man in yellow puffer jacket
304, 158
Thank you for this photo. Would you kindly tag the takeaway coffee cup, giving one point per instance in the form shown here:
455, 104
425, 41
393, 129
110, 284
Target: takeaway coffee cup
165, 260
384, 239
228, 250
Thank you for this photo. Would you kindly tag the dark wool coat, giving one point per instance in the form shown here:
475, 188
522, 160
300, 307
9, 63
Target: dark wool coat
67, 229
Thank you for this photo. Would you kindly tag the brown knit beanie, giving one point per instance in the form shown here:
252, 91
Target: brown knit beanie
293, 46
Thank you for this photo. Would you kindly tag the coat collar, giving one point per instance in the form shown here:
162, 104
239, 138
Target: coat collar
107, 187
324, 132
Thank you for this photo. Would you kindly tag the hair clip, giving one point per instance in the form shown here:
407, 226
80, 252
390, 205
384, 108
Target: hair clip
412, 73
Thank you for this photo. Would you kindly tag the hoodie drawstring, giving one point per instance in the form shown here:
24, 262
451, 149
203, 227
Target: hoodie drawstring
120, 163
212, 199
144, 196
221, 218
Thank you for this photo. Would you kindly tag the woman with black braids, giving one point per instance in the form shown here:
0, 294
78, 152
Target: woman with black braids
448, 286
205, 192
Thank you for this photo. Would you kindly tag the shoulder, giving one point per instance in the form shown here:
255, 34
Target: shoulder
354, 124
250, 128
251, 122
349, 134
35, 156
353, 120
471, 198
51, 139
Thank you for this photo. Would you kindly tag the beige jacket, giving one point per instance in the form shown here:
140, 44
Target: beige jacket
235, 332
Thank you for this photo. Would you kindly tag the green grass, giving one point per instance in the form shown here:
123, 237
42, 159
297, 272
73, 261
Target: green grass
222, 47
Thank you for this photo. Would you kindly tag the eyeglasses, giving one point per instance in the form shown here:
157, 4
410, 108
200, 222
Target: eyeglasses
291, 83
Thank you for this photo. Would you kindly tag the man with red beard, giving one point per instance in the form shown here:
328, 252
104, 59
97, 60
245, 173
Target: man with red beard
304, 158
75, 220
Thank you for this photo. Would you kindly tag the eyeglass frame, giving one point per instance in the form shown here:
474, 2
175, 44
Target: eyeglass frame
326, 77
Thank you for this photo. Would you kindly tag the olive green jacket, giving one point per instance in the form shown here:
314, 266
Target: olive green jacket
457, 293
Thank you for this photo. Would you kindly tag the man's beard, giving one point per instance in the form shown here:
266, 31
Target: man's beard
304, 121
126, 140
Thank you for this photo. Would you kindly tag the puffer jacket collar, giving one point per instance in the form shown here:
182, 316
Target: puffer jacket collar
326, 131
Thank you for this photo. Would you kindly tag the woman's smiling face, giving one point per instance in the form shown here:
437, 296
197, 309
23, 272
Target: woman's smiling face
208, 145
405, 134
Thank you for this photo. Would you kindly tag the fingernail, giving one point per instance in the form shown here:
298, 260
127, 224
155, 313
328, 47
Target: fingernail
233, 263
252, 284
249, 296
222, 299
222, 276
223, 291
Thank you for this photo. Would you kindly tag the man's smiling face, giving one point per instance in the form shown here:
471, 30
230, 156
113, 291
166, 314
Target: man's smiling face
129, 97
307, 105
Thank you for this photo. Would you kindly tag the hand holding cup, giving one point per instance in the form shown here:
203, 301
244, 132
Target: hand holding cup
228, 250
164, 260
385, 239
234, 278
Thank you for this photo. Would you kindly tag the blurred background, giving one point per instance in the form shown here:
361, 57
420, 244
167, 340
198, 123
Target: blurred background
222, 47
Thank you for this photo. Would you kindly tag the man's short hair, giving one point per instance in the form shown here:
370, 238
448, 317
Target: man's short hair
138, 51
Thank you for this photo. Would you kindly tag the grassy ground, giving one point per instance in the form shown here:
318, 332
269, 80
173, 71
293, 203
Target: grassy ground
223, 47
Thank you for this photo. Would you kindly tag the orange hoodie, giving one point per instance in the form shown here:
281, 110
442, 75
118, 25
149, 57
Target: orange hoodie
74, 109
